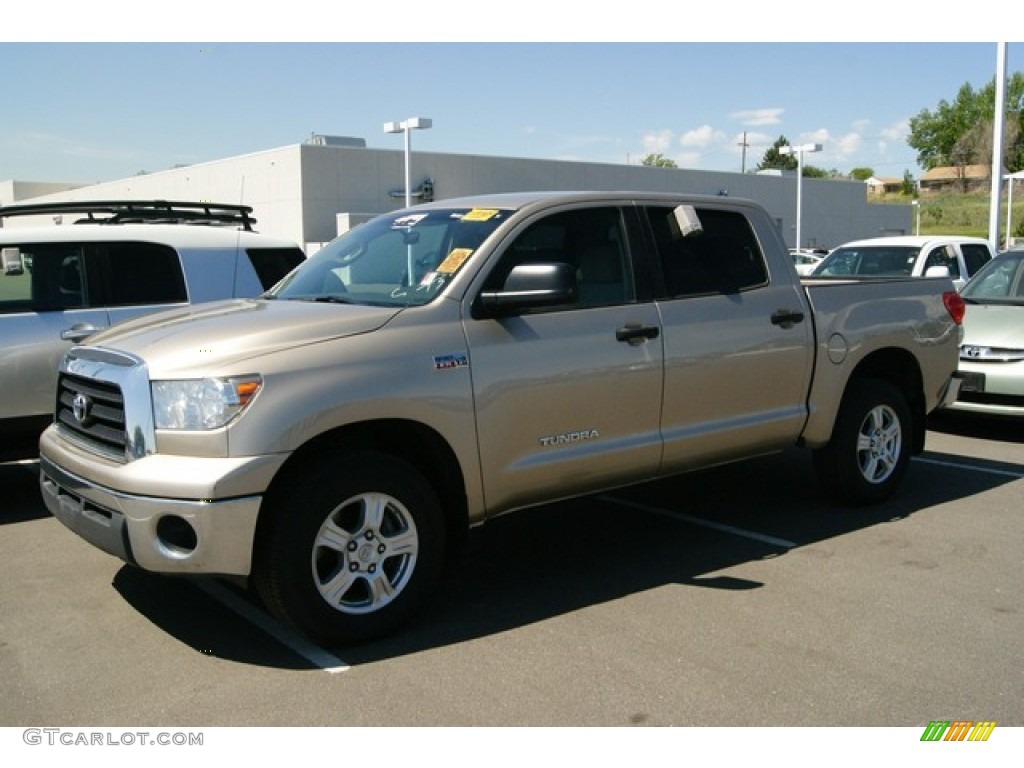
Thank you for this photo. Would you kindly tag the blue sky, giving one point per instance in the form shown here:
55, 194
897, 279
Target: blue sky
97, 111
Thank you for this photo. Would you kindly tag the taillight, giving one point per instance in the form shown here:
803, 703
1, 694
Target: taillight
955, 305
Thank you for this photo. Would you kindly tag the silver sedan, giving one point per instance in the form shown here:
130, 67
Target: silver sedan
992, 351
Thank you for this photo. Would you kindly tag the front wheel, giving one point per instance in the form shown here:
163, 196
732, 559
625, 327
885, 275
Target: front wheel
350, 547
869, 452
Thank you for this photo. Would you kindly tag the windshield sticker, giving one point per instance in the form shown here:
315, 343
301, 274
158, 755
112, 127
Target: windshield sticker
480, 214
454, 261
409, 221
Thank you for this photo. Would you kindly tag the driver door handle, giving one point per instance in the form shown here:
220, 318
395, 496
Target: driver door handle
636, 334
78, 331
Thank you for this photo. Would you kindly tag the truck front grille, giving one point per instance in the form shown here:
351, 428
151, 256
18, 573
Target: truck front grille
91, 413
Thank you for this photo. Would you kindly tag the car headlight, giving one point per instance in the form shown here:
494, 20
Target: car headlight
200, 404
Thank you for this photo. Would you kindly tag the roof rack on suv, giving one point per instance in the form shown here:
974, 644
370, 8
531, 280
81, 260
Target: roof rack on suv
141, 211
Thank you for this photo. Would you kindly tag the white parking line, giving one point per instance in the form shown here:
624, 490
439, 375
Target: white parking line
764, 538
326, 661
972, 467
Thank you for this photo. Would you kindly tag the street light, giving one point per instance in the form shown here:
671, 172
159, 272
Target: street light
799, 152
407, 126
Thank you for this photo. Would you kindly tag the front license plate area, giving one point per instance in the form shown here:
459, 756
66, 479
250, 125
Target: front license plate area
972, 382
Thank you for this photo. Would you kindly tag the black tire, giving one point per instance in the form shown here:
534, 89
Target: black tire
868, 455
350, 547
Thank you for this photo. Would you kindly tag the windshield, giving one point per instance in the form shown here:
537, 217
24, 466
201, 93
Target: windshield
870, 260
1000, 281
395, 260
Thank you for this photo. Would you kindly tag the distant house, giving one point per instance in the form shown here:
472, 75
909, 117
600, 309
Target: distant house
880, 185
955, 178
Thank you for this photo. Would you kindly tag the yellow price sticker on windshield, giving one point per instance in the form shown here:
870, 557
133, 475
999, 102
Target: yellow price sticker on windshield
480, 214
454, 261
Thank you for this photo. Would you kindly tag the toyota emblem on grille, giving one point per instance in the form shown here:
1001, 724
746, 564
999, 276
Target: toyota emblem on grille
80, 407
972, 352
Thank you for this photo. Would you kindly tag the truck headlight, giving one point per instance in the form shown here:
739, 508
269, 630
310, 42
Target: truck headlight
199, 404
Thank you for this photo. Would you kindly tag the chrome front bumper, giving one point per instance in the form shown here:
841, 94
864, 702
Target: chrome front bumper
157, 534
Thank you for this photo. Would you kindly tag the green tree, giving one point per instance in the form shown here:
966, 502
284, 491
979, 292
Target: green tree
861, 174
658, 160
909, 186
953, 135
773, 159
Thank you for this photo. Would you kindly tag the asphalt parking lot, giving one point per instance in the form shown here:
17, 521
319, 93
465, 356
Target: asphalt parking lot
731, 597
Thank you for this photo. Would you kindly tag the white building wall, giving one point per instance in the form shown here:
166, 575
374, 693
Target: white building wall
298, 191
12, 191
269, 181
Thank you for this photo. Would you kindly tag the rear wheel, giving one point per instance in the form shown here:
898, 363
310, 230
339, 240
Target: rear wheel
868, 455
350, 548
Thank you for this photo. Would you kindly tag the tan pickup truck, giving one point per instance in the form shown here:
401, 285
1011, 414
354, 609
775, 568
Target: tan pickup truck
333, 440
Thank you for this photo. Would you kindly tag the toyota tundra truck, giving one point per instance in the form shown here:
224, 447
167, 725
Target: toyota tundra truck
332, 441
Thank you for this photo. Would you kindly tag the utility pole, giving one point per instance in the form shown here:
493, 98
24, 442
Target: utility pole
743, 163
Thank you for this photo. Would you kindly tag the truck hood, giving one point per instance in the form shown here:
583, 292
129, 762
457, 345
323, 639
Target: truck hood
204, 336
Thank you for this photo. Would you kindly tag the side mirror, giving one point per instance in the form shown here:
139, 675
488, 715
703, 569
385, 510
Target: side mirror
937, 272
530, 286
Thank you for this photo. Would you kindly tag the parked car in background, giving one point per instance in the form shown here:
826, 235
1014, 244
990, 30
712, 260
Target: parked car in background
120, 259
908, 255
805, 260
992, 351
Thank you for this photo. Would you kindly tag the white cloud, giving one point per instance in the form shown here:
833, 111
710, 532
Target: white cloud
657, 141
768, 116
849, 145
896, 133
702, 137
687, 159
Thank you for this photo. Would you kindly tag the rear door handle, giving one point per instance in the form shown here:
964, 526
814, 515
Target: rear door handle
787, 318
636, 334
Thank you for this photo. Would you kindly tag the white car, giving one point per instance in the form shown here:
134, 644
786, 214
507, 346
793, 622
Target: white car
107, 262
804, 261
908, 256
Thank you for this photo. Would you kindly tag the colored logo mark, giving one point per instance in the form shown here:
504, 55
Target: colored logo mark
958, 730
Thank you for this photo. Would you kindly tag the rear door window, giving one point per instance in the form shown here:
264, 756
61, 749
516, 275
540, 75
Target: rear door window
975, 256
271, 264
140, 274
706, 251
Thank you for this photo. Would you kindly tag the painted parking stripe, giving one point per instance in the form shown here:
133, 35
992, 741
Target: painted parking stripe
313, 653
754, 535
971, 467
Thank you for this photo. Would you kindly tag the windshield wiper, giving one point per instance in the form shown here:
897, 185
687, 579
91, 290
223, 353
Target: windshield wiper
327, 298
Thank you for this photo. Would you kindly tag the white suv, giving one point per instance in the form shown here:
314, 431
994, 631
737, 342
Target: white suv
113, 261
909, 255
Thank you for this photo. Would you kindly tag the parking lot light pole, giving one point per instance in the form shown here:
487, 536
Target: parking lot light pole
799, 152
406, 127
1010, 178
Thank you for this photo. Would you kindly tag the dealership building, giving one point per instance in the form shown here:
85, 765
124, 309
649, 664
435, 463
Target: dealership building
312, 191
